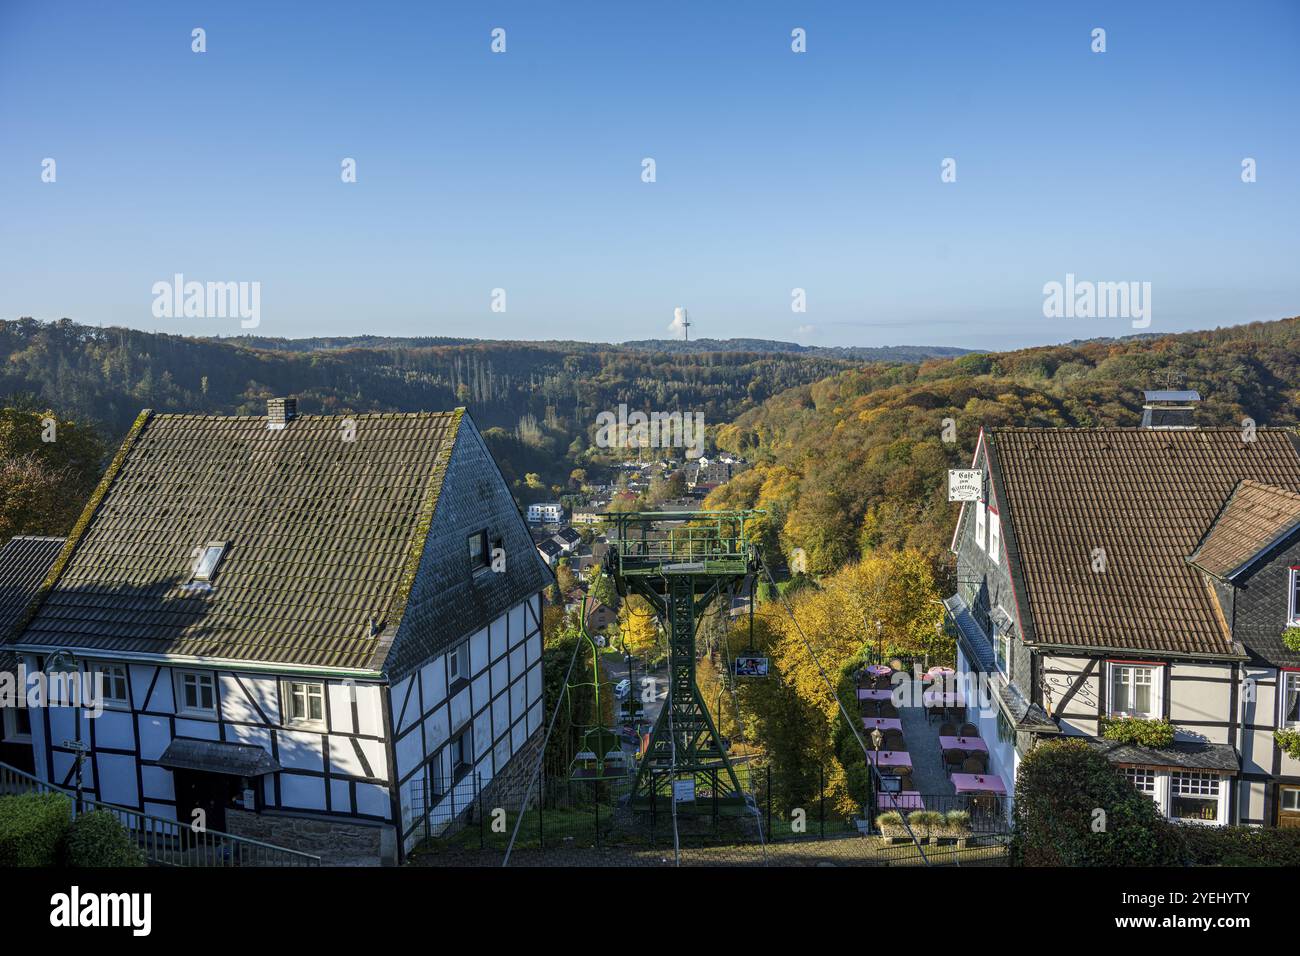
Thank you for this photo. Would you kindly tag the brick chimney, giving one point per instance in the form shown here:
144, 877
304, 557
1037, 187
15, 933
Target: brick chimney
280, 412
1169, 408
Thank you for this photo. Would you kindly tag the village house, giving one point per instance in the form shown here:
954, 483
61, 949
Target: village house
1140, 572
545, 512
24, 563
309, 628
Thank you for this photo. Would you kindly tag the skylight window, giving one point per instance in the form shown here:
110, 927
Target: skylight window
205, 568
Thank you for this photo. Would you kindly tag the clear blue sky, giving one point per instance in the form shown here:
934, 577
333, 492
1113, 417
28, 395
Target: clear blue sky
775, 170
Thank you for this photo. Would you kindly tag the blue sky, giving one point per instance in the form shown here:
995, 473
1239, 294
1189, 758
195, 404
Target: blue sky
775, 170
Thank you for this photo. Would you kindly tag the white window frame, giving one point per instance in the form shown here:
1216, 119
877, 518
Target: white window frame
1284, 681
287, 695
112, 673
1220, 796
979, 525
1292, 603
185, 710
1293, 793
459, 656
464, 741
995, 536
207, 574
1157, 689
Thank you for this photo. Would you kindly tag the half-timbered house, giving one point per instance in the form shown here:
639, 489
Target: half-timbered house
308, 627
1140, 572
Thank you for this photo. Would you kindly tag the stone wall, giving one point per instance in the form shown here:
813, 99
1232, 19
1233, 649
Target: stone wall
336, 842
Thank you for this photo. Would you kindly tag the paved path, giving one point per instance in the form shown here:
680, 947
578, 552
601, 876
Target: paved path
928, 775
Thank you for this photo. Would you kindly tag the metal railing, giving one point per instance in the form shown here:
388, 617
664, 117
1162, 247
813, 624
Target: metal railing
166, 842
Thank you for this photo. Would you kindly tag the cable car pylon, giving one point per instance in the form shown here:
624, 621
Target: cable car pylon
680, 571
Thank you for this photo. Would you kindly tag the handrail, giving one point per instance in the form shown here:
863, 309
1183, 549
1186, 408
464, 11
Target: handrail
167, 842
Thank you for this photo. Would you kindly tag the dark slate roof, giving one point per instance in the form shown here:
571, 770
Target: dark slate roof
1255, 519
1027, 716
324, 537
550, 547
237, 760
1145, 496
568, 535
24, 563
1179, 755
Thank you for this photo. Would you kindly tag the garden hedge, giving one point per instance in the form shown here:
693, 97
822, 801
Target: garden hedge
32, 828
98, 839
1073, 809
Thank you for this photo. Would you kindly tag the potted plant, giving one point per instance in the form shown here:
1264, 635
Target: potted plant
1291, 638
927, 823
957, 826
891, 826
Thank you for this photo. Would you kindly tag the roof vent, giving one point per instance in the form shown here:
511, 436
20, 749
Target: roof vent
1169, 408
280, 412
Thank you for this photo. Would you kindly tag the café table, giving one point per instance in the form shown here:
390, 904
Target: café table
891, 758
978, 783
879, 670
968, 745
882, 723
903, 800
866, 693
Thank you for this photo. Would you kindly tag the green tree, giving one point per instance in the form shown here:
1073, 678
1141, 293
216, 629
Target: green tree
48, 468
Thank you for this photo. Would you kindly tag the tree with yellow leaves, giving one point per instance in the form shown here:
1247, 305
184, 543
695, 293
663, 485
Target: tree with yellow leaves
639, 628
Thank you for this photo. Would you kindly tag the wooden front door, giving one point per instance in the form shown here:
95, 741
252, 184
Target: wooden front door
209, 792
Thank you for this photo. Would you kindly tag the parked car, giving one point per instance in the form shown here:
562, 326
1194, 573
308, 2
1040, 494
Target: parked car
622, 689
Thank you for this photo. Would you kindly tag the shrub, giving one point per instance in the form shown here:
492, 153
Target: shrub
32, 828
1291, 638
1139, 730
958, 818
890, 818
1060, 788
98, 839
1243, 846
1289, 741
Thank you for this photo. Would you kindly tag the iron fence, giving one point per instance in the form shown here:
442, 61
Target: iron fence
595, 822
166, 842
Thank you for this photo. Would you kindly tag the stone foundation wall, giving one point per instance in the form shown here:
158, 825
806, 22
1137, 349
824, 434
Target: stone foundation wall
336, 842
509, 787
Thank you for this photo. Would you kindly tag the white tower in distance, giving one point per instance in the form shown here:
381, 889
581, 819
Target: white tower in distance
679, 318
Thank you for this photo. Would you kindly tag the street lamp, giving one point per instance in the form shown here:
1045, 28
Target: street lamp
65, 662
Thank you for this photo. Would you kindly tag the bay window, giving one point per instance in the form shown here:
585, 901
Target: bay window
1196, 796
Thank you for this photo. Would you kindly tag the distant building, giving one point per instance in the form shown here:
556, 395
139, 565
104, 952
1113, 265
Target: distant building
592, 515
551, 551
568, 539
545, 512
599, 615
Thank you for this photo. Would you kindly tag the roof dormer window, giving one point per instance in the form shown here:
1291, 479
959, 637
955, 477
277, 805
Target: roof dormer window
205, 567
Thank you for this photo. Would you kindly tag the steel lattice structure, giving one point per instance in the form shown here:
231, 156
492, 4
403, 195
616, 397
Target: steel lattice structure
680, 570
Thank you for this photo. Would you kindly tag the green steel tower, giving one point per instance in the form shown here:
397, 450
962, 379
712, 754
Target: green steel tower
680, 562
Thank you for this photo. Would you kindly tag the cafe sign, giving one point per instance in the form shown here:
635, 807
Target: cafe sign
965, 484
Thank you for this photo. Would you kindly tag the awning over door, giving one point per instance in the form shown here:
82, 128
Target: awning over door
212, 756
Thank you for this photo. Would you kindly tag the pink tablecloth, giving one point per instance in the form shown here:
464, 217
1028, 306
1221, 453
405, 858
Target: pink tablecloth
978, 783
865, 694
891, 758
967, 744
940, 670
882, 723
879, 670
904, 800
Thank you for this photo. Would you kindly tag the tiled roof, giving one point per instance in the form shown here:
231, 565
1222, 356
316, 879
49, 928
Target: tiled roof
24, 563
325, 525
1255, 518
1146, 498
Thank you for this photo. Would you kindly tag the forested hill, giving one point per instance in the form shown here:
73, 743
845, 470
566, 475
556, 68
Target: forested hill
538, 401
857, 462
